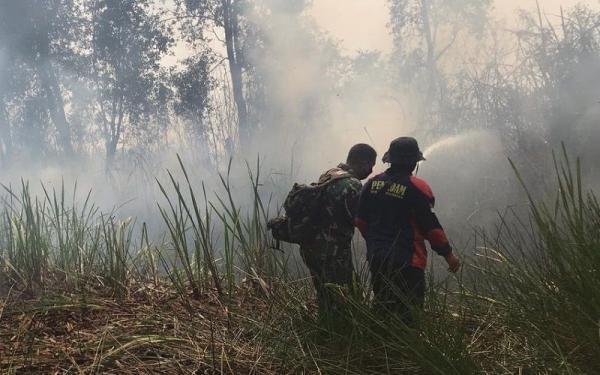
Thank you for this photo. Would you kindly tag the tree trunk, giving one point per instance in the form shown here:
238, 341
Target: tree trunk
56, 106
234, 56
431, 63
433, 97
116, 127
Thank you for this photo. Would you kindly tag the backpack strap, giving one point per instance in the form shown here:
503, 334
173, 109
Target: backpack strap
332, 175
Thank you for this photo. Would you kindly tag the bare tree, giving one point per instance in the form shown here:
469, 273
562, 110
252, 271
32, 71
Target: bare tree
231, 26
127, 45
424, 32
36, 33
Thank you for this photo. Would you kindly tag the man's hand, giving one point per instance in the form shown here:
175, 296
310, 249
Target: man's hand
453, 262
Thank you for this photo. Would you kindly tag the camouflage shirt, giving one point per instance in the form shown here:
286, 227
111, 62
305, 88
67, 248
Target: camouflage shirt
329, 256
340, 200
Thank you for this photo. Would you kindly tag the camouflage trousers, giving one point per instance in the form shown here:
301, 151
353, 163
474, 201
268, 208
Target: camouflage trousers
331, 273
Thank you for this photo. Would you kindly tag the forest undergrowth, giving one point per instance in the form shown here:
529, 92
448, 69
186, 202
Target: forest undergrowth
84, 292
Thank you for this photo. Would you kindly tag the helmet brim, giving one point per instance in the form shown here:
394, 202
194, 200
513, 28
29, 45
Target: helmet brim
386, 157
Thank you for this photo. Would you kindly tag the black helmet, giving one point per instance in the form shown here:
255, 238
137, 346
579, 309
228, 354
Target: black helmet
403, 149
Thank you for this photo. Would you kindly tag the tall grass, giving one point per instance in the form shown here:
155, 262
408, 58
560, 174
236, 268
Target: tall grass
182, 216
530, 299
544, 273
248, 236
76, 240
51, 241
243, 251
363, 340
530, 302
115, 254
26, 241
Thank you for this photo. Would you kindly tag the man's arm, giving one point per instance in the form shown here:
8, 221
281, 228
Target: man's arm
360, 220
430, 226
352, 197
344, 197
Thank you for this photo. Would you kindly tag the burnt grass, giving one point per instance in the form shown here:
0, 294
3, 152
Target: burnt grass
148, 331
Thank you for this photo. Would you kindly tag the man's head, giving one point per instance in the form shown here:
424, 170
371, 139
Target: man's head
404, 152
361, 159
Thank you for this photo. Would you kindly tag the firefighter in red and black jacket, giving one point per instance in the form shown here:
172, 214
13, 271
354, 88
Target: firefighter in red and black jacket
395, 216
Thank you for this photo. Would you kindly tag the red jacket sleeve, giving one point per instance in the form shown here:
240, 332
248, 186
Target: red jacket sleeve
360, 221
427, 220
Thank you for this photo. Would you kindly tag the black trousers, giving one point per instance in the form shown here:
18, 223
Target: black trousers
397, 288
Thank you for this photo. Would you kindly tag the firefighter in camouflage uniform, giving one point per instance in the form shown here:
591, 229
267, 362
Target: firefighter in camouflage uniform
328, 256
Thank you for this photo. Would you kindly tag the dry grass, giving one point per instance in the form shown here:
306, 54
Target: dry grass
78, 295
149, 331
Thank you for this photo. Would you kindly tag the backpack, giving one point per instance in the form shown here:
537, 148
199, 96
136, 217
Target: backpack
302, 206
